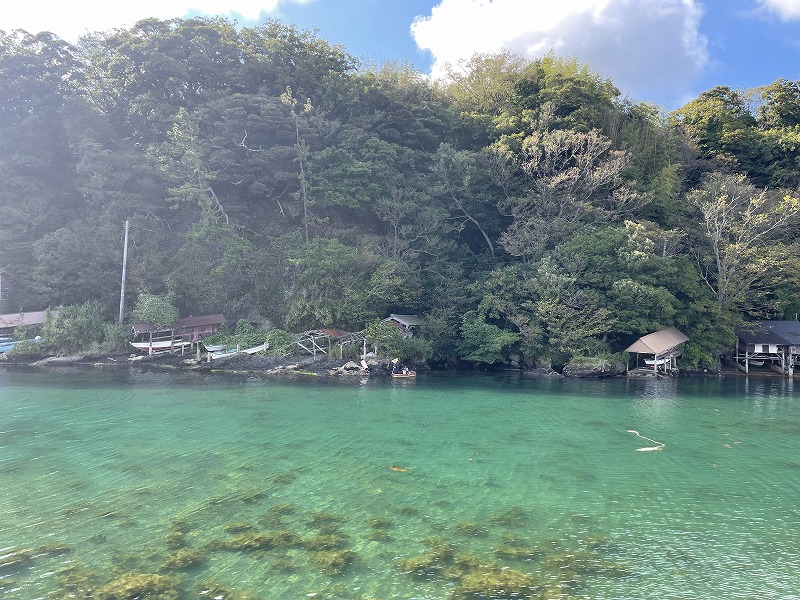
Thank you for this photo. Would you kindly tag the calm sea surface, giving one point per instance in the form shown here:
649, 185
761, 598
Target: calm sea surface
118, 484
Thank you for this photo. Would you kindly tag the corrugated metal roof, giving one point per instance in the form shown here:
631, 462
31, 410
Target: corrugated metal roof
658, 342
27, 318
779, 333
184, 323
407, 320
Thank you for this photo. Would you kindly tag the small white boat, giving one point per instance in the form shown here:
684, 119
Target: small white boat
404, 375
653, 361
159, 346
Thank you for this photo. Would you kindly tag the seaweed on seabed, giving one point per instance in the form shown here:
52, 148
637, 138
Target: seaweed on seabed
263, 541
325, 541
498, 584
139, 585
432, 563
53, 549
408, 511
570, 567
515, 548
333, 562
274, 515
379, 528
213, 589
76, 582
513, 517
470, 529
379, 523
15, 558
178, 530
379, 535
184, 558
322, 519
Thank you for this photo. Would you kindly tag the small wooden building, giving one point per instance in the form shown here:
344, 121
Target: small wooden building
188, 329
774, 344
405, 323
9, 322
660, 349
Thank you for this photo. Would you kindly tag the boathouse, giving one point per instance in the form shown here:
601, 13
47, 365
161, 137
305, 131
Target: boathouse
187, 329
405, 324
774, 344
661, 350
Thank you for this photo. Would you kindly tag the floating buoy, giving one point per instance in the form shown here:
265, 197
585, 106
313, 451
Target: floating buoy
648, 448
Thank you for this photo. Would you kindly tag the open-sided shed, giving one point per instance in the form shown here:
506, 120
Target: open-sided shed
663, 346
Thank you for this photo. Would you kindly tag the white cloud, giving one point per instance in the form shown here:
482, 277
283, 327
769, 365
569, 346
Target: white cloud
71, 18
786, 9
643, 46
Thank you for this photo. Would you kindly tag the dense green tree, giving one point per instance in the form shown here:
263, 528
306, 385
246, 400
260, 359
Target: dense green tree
523, 209
742, 231
156, 309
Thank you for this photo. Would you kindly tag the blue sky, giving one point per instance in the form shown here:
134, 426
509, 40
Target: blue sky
660, 51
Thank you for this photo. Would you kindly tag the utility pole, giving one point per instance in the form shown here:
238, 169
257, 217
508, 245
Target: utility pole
124, 266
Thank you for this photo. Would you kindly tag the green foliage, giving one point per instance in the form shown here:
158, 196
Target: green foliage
74, 328
484, 342
156, 309
521, 207
386, 339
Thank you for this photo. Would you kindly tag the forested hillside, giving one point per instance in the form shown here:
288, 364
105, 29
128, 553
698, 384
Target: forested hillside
522, 209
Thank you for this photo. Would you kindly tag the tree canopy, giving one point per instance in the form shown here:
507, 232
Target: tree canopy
522, 208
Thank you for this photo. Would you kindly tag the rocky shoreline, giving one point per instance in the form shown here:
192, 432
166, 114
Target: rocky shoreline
236, 363
294, 366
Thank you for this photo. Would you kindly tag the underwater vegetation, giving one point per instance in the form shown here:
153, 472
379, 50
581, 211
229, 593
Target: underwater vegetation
274, 515
14, 558
553, 570
131, 586
217, 591
262, 541
513, 517
378, 523
469, 529
325, 541
238, 527
496, 583
184, 558
318, 519
333, 562
500, 556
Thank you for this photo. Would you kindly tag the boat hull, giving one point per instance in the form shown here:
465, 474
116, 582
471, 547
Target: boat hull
159, 346
408, 375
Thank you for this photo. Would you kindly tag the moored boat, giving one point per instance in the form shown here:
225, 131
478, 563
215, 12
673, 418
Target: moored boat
159, 346
404, 375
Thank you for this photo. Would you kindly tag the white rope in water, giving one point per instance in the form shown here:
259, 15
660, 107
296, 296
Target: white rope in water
648, 448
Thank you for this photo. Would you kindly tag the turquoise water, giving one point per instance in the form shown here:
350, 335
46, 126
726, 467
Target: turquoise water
444, 487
